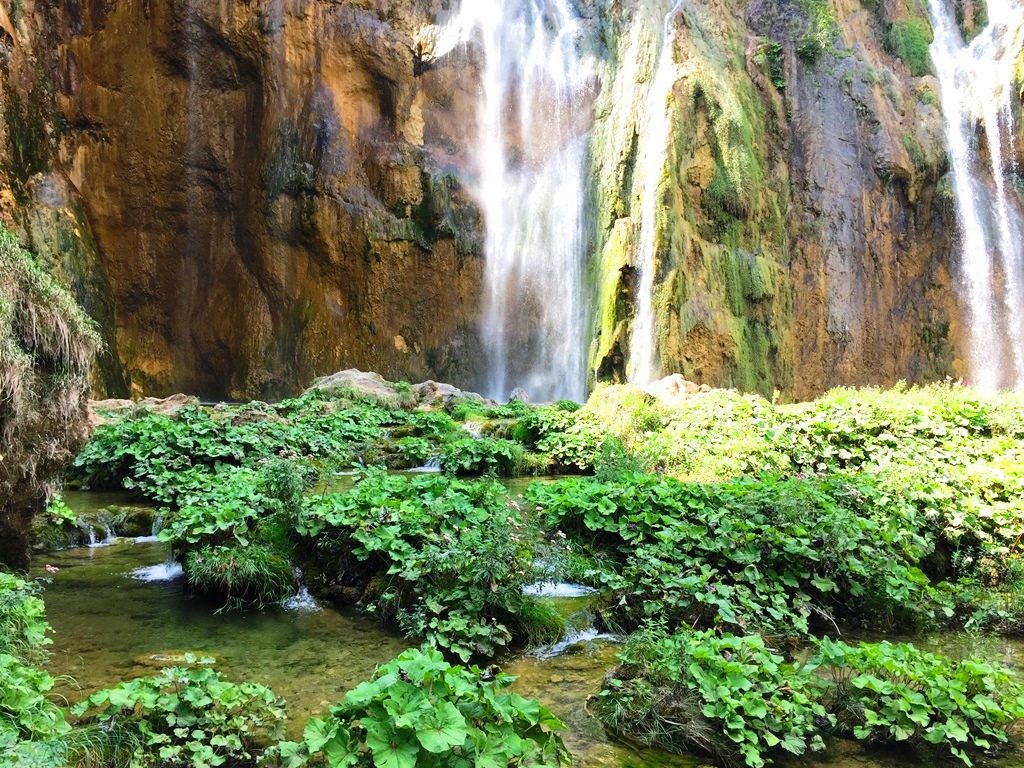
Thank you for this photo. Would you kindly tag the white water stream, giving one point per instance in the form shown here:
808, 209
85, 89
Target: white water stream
977, 83
652, 155
529, 180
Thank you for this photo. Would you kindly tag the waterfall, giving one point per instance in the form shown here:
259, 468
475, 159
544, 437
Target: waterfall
529, 181
977, 82
652, 155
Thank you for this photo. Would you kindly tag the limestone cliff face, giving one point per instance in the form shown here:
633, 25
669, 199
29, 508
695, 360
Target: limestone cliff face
247, 194
804, 240
268, 185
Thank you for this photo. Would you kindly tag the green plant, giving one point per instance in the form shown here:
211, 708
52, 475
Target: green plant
820, 32
443, 558
242, 575
419, 711
467, 408
572, 440
23, 624
769, 57
480, 456
768, 554
189, 717
893, 692
915, 150
731, 697
31, 725
910, 40
26, 714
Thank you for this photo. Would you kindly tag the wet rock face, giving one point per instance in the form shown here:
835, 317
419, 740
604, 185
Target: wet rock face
270, 187
251, 194
805, 240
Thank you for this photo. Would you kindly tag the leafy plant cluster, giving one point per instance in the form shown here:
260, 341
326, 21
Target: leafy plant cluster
188, 718
821, 30
31, 724
571, 440
421, 712
418, 710
953, 455
149, 451
445, 559
730, 697
442, 559
894, 693
766, 554
742, 703
482, 456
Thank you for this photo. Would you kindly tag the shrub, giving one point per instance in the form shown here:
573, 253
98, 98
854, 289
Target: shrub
573, 441
418, 711
467, 408
481, 456
192, 718
242, 575
730, 697
237, 504
26, 714
894, 693
23, 624
31, 726
821, 31
415, 451
769, 57
909, 40
148, 452
432, 425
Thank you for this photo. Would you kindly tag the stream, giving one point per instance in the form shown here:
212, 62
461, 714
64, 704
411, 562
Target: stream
120, 611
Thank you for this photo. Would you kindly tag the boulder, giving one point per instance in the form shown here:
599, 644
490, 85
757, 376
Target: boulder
364, 385
433, 394
100, 411
673, 389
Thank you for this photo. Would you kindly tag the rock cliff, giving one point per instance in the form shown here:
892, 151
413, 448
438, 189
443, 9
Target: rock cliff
257, 192
249, 194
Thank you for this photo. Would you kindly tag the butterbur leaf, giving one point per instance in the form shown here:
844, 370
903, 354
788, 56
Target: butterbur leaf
390, 748
442, 729
405, 704
340, 751
318, 732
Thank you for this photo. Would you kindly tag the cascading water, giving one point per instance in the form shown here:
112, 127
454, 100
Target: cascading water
529, 182
977, 85
651, 158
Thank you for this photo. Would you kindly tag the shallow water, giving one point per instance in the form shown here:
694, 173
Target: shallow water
109, 626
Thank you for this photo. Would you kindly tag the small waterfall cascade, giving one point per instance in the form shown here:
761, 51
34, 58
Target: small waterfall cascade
977, 84
652, 154
529, 180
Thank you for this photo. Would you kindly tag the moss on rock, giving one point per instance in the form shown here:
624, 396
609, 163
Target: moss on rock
46, 346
